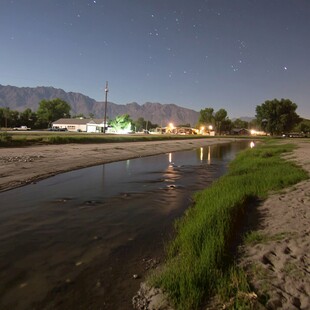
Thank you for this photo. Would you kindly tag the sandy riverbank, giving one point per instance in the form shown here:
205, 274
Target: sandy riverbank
23, 165
279, 267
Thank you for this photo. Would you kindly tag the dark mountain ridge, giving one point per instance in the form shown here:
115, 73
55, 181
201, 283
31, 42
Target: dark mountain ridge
21, 98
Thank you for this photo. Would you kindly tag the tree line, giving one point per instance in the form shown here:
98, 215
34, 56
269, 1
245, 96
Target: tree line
48, 112
52, 110
273, 116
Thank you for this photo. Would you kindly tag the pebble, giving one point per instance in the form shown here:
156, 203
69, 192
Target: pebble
22, 158
23, 285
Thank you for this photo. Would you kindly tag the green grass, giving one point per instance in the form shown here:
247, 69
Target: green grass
255, 237
13, 139
198, 259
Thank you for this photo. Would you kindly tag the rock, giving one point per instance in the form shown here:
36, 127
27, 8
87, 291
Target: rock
150, 298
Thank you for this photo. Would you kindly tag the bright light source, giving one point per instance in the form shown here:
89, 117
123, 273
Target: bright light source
210, 127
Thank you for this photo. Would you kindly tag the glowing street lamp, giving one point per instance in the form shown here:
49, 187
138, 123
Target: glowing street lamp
210, 127
171, 127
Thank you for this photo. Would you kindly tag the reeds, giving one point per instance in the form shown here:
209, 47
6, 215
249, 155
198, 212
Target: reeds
199, 261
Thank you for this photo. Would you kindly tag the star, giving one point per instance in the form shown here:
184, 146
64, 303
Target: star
285, 68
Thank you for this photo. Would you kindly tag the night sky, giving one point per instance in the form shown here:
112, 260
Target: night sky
231, 54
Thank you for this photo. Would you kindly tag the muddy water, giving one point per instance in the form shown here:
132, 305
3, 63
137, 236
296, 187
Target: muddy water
74, 241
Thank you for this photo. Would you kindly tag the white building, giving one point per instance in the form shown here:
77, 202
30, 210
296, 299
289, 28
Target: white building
79, 124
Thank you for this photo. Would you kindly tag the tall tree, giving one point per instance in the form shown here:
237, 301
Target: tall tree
206, 117
140, 124
303, 126
277, 116
219, 118
28, 118
51, 110
239, 123
6, 116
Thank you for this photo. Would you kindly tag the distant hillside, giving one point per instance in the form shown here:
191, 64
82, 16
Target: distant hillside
20, 98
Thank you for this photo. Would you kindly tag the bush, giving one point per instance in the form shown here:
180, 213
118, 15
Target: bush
5, 138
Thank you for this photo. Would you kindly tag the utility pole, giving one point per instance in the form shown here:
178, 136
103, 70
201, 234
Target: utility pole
105, 105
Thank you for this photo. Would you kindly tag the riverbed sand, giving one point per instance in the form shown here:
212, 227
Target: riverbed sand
279, 268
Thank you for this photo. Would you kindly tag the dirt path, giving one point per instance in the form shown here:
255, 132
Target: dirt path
19, 166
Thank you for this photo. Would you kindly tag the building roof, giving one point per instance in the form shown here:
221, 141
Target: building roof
78, 121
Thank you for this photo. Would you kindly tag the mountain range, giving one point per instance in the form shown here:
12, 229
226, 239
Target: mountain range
21, 98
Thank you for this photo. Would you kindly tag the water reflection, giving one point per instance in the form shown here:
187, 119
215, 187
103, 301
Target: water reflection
170, 158
209, 155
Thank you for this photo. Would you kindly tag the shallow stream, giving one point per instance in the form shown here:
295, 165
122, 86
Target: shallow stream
75, 240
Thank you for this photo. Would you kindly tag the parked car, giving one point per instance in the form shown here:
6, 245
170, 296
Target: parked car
22, 128
57, 129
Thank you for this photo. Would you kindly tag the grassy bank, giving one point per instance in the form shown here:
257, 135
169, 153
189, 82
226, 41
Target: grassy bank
199, 260
16, 139
13, 139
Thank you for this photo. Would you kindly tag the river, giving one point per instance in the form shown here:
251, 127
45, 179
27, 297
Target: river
86, 239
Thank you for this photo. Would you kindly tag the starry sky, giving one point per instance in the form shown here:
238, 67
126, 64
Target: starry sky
231, 54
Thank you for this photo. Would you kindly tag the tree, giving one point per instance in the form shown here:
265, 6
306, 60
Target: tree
121, 123
277, 116
6, 113
219, 118
239, 123
27, 118
51, 110
206, 117
226, 125
303, 126
141, 124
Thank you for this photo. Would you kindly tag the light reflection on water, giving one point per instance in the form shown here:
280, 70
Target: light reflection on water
81, 217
